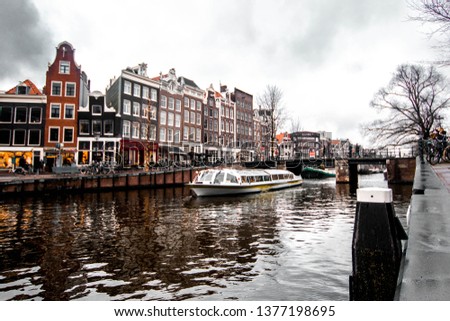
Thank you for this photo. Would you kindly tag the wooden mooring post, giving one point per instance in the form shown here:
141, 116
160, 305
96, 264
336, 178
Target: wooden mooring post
376, 247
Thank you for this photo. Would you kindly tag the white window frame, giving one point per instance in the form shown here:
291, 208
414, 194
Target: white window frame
73, 111
60, 86
136, 130
66, 69
40, 113
153, 94
29, 135
136, 109
136, 90
127, 87
126, 128
24, 136
59, 111
49, 134
64, 134
127, 107
74, 89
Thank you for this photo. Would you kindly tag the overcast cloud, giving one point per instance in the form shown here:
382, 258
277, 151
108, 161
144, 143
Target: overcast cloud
25, 42
328, 57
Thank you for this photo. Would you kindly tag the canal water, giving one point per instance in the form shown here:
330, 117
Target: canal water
293, 244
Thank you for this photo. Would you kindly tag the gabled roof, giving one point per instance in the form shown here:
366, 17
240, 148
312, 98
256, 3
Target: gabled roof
188, 82
33, 90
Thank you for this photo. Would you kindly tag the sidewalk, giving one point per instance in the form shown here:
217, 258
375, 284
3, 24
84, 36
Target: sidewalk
426, 275
443, 172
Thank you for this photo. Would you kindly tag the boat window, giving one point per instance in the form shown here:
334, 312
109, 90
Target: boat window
219, 178
207, 177
231, 178
259, 178
266, 178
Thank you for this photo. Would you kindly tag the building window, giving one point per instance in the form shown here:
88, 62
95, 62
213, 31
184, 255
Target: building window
22, 90
35, 115
199, 118
162, 134
144, 132
19, 137
199, 105
68, 135
152, 132
185, 133
192, 104
170, 119
70, 89
153, 95
84, 127
153, 112
137, 90
177, 120
127, 107
199, 134
170, 135
69, 111
186, 102
178, 105
5, 136
127, 87
192, 134
126, 130
53, 135
145, 92
96, 127
108, 125
171, 103
162, 117
21, 115
192, 118
34, 137
176, 136
96, 109
5, 114
144, 111
163, 101
64, 67
55, 111
186, 116
136, 108
135, 133
56, 88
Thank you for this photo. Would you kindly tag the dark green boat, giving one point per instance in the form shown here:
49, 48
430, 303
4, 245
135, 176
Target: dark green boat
312, 172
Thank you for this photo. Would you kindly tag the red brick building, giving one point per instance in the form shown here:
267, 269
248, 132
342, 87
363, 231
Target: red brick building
67, 90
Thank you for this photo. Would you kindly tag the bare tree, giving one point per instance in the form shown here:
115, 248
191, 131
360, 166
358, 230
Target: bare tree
413, 102
437, 14
296, 125
271, 101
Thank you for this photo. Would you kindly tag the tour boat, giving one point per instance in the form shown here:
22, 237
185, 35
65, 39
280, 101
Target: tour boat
213, 182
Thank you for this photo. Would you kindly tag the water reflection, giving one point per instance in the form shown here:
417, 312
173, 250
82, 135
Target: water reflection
164, 245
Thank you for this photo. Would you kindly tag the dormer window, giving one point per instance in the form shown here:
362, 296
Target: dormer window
22, 90
64, 67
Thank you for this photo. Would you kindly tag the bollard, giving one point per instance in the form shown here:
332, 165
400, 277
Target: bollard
376, 247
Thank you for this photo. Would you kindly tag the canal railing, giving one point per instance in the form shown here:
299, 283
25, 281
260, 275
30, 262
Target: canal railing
422, 272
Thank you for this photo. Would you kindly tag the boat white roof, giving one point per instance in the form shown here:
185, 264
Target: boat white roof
251, 172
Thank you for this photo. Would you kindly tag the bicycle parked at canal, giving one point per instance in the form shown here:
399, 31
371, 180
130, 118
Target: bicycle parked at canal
436, 148
98, 168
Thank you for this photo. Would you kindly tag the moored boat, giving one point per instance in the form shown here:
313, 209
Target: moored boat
213, 182
312, 172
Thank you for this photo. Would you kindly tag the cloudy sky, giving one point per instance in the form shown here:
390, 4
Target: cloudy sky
329, 57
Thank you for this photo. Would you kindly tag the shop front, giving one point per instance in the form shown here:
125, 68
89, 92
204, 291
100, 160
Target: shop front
11, 157
132, 153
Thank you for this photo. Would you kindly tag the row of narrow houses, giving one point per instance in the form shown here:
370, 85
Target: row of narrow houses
140, 120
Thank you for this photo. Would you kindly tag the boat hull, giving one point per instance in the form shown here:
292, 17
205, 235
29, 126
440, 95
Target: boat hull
237, 189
